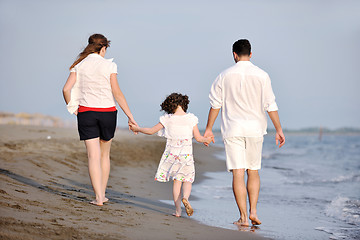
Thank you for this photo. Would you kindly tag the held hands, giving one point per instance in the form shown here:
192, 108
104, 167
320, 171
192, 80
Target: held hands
280, 138
209, 134
133, 126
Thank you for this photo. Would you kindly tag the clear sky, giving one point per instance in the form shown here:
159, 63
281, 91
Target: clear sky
311, 50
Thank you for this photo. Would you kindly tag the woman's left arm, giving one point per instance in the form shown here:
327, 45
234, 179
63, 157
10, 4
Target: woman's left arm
120, 98
68, 86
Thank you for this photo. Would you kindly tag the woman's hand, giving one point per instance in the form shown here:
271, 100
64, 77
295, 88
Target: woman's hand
133, 125
134, 128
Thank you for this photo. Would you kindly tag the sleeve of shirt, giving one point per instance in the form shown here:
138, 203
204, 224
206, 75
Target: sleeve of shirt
161, 133
113, 68
163, 120
194, 120
269, 97
215, 95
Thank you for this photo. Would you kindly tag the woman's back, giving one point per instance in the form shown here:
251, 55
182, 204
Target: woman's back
92, 87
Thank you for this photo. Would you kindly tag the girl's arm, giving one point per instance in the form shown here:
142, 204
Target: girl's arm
120, 98
149, 131
68, 86
198, 137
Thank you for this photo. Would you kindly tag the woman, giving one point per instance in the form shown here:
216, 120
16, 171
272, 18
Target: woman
89, 93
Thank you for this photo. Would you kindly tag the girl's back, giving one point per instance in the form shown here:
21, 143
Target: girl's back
178, 126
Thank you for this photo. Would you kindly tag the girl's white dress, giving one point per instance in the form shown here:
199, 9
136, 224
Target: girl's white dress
177, 160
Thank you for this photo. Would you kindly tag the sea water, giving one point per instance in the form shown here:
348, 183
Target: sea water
310, 189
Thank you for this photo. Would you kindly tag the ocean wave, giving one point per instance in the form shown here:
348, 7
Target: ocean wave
338, 179
344, 209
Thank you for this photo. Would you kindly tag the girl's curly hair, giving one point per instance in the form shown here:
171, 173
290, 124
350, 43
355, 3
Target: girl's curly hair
173, 101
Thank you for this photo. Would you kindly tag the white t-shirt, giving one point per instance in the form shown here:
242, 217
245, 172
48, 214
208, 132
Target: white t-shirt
244, 93
92, 87
178, 126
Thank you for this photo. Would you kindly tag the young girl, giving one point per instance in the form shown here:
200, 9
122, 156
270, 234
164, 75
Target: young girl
89, 93
177, 160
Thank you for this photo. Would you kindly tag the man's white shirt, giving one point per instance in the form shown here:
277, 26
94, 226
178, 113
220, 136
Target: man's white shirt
244, 94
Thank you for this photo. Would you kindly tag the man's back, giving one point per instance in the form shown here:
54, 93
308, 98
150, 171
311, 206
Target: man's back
244, 93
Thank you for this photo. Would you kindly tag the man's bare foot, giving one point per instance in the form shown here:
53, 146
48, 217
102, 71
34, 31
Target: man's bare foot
189, 210
97, 203
240, 222
254, 220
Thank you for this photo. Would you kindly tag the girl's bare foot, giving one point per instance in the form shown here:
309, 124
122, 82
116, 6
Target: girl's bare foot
254, 219
97, 203
189, 210
240, 222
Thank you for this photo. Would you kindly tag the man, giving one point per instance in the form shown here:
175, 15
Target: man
243, 92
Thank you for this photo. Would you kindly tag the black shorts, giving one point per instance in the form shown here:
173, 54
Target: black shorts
96, 124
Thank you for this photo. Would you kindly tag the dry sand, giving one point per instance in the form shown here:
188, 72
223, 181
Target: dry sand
45, 189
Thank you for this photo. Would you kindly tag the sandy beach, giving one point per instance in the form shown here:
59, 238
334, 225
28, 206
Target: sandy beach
45, 189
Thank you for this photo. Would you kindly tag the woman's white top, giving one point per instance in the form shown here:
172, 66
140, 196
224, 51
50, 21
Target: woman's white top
178, 126
92, 87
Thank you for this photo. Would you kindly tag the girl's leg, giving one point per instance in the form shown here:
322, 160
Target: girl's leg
177, 197
93, 150
186, 194
105, 166
186, 190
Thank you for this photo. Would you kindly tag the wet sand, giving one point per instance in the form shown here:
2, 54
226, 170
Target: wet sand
45, 189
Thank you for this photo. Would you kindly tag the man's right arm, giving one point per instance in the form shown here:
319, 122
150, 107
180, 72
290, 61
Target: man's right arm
213, 113
279, 137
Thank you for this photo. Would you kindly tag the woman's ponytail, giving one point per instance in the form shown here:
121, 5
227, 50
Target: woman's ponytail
95, 43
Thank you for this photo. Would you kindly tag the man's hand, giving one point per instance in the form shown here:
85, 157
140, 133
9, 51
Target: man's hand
209, 133
280, 138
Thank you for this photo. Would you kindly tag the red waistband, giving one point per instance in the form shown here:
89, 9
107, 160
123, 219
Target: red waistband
86, 109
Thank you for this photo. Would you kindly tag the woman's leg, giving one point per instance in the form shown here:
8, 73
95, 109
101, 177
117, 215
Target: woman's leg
105, 166
177, 197
93, 150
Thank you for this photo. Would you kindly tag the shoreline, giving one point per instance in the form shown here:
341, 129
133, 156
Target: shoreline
45, 189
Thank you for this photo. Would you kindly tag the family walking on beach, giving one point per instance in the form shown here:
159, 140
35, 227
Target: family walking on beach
243, 92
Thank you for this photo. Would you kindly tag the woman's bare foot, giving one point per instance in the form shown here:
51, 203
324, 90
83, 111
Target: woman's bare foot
240, 222
189, 210
254, 219
97, 203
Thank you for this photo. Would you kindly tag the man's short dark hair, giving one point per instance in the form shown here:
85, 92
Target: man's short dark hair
242, 47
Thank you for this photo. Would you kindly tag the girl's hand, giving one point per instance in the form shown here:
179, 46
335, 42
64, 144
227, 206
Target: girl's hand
208, 140
134, 128
131, 122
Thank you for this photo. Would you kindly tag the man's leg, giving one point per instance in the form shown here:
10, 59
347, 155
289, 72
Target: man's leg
240, 194
253, 188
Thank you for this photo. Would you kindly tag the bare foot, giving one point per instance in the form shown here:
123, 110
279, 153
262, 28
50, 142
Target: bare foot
189, 210
176, 215
105, 200
240, 222
97, 203
254, 220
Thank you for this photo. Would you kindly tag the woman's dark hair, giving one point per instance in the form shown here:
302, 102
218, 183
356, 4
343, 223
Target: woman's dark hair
173, 101
242, 47
95, 43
